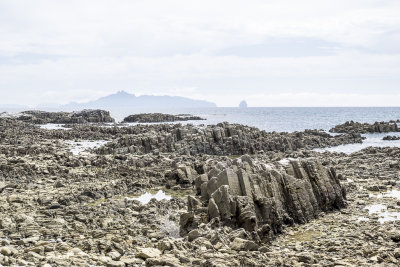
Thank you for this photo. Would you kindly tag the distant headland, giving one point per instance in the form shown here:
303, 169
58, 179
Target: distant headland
126, 100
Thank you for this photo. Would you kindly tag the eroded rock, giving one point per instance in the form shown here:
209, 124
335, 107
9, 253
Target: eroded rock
262, 196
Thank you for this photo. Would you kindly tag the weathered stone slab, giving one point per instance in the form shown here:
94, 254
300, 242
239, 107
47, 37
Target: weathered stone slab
230, 178
244, 182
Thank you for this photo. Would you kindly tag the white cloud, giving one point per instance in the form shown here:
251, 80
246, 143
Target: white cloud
59, 51
324, 100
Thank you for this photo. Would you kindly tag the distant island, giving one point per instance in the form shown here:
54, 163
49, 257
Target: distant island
123, 99
243, 104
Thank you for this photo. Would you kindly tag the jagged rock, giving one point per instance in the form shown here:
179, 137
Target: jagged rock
269, 195
220, 139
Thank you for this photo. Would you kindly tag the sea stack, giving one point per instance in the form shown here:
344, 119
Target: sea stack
243, 104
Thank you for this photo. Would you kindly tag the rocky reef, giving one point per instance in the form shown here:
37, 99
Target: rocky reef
84, 116
391, 138
220, 139
264, 200
160, 117
356, 127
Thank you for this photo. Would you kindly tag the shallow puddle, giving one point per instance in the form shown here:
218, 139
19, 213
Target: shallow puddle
393, 194
146, 197
376, 208
53, 126
81, 146
382, 213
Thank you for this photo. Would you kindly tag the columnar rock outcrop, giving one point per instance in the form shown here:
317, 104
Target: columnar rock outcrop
221, 139
262, 197
84, 116
357, 127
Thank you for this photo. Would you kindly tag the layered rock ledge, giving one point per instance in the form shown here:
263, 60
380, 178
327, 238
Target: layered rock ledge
84, 116
160, 117
357, 127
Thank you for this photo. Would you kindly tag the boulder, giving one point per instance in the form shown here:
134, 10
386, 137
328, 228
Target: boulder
145, 253
240, 244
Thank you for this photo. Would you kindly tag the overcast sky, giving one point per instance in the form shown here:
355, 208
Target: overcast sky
270, 53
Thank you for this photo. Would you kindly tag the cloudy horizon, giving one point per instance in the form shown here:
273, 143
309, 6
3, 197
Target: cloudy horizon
270, 53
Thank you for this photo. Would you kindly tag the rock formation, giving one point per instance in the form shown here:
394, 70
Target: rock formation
160, 117
243, 104
262, 197
356, 127
63, 209
220, 139
84, 116
391, 138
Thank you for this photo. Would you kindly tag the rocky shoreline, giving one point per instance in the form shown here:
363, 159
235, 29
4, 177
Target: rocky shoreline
43, 117
239, 197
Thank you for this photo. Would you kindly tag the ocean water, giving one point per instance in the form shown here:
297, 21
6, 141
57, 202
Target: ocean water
279, 119
285, 119
374, 140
